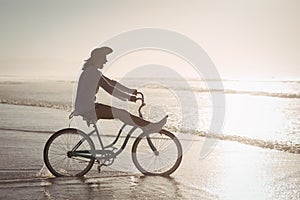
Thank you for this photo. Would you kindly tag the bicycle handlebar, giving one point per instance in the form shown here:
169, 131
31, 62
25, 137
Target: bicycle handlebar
139, 93
142, 104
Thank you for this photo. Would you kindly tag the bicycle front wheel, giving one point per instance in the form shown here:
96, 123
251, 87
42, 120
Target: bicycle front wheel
157, 153
58, 158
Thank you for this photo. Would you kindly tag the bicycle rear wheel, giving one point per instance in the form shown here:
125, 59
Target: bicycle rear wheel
163, 160
57, 155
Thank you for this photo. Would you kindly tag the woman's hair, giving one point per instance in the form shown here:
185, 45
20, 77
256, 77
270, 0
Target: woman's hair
88, 63
96, 54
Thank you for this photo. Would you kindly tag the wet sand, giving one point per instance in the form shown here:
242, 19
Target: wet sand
230, 171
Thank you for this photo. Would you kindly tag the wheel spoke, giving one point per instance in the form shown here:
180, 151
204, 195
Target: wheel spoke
165, 162
57, 147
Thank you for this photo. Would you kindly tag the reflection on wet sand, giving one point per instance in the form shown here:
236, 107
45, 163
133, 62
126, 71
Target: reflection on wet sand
123, 187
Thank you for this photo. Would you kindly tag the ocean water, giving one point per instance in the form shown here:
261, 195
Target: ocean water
260, 113
257, 113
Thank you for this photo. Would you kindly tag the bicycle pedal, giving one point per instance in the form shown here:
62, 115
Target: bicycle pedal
114, 148
100, 165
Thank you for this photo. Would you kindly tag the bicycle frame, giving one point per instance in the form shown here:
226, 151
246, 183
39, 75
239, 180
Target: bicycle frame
89, 154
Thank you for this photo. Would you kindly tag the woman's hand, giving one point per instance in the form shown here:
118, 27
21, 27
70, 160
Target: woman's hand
132, 99
134, 92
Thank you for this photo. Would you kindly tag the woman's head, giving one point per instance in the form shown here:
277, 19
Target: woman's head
98, 57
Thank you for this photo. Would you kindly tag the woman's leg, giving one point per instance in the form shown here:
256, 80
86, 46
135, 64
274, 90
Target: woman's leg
108, 112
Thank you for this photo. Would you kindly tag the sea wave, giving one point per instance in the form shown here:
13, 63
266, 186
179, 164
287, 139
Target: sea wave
175, 86
67, 106
286, 146
261, 93
231, 91
24, 130
35, 103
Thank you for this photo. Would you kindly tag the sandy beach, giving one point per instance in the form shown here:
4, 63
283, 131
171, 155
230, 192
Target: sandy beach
230, 171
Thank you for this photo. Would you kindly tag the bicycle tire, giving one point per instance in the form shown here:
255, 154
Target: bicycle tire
57, 147
148, 163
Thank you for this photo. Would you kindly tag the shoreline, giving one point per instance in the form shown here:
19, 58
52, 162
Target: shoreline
282, 146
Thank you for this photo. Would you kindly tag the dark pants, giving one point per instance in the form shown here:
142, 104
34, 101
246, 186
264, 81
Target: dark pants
108, 112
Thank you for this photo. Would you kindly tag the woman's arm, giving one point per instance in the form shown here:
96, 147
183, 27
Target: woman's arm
104, 82
119, 86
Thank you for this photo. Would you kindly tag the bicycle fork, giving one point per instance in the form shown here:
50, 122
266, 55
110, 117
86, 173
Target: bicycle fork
152, 146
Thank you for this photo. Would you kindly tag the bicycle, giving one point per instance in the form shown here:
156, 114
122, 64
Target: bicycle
71, 152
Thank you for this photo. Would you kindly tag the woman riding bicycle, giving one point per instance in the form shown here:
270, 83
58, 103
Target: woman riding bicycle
91, 78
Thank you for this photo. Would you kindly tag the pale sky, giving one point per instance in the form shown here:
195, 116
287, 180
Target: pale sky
254, 38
